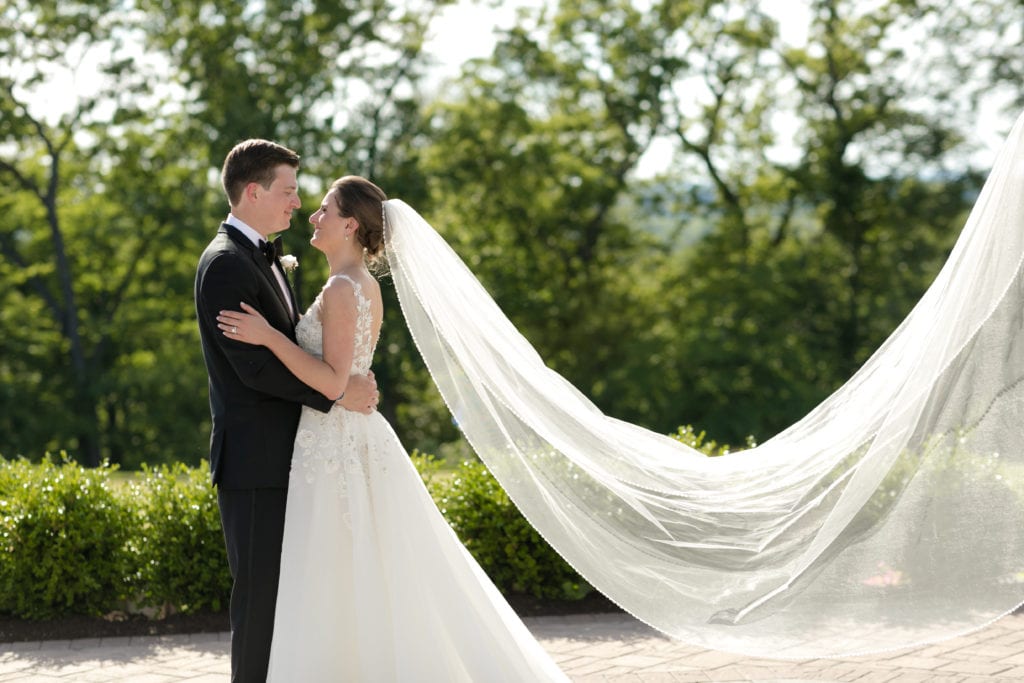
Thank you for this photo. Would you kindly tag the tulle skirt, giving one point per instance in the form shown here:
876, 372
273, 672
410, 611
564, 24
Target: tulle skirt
375, 586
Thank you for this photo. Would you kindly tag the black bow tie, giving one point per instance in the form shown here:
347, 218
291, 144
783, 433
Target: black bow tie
272, 250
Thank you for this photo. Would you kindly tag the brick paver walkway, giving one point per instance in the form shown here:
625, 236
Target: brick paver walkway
590, 649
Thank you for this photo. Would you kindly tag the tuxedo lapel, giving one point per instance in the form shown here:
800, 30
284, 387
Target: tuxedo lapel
268, 273
264, 268
291, 294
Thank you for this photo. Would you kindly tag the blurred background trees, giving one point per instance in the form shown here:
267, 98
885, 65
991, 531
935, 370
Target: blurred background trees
696, 213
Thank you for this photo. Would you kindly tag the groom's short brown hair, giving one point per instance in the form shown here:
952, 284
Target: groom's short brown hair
253, 161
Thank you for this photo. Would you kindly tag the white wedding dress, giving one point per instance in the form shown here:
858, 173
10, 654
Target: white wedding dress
375, 586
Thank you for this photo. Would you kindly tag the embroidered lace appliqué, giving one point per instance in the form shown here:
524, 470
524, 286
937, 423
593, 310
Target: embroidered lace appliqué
334, 444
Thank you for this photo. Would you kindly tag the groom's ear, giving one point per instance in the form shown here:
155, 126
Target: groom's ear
252, 191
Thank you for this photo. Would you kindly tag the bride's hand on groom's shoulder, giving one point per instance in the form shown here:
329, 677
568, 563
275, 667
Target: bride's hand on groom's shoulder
246, 326
361, 395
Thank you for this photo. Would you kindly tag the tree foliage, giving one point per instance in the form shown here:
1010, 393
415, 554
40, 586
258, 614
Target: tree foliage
83, 263
808, 262
814, 188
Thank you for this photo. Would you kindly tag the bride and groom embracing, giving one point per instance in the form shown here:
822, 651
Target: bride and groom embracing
343, 568
888, 517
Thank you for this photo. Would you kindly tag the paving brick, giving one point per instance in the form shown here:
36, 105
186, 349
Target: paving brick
709, 659
221, 666
598, 666
564, 645
728, 673
991, 651
617, 673
639, 678
879, 677
904, 676
581, 661
638, 662
602, 649
689, 677
758, 673
101, 676
11, 650
655, 677
1016, 660
1014, 674
919, 662
677, 666
154, 678
607, 650
977, 668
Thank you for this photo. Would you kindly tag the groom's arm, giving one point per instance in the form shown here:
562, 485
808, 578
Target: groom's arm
226, 282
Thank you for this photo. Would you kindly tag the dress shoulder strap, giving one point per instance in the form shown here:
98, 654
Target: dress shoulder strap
355, 285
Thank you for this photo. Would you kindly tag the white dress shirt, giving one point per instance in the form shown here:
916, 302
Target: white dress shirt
236, 222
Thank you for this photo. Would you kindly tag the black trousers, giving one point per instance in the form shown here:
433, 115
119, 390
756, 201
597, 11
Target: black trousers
253, 521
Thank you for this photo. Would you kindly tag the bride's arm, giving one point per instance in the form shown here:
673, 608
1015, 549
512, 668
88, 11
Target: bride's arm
338, 316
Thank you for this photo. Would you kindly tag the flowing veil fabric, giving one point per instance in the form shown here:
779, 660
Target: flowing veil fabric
889, 516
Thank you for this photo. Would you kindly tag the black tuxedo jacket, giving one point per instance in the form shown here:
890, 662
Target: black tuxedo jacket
255, 401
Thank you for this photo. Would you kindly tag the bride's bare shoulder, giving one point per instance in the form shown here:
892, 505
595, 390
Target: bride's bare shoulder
374, 286
340, 281
339, 292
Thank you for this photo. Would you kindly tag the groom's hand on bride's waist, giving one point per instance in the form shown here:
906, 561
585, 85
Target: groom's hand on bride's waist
361, 395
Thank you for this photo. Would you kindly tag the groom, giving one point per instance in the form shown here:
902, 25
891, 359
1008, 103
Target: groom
255, 401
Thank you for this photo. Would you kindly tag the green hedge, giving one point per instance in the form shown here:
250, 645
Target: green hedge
178, 549
90, 541
508, 549
75, 540
64, 537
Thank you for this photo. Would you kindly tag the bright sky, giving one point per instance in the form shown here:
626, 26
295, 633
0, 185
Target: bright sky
467, 30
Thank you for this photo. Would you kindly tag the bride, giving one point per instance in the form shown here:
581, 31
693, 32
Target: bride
888, 517
374, 585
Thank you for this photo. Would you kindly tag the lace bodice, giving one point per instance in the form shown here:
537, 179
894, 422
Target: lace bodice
328, 443
310, 332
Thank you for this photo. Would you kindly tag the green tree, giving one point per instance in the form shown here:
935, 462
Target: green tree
811, 261
733, 293
338, 82
980, 63
116, 197
802, 264
526, 162
76, 264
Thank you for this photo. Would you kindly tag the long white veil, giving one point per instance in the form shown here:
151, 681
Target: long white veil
891, 515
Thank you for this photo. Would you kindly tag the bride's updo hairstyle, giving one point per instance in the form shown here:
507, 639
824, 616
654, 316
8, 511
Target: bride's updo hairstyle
358, 198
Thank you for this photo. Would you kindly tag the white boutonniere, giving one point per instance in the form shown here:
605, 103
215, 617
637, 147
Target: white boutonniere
289, 263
